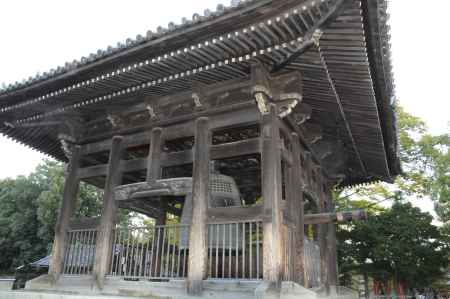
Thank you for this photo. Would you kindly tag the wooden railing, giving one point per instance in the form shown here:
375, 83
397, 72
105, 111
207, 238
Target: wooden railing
235, 250
159, 252
79, 252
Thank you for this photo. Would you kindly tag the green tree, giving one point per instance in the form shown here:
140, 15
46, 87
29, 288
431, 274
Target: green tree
399, 244
19, 241
28, 211
50, 177
426, 173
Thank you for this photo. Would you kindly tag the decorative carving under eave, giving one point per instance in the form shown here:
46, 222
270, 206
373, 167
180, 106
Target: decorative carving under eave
284, 90
151, 112
116, 121
312, 132
323, 149
197, 101
287, 102
316, 37
302, 113
262, 101
8, 124
67, 144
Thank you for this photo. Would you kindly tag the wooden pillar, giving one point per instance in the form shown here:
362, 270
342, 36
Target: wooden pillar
66, 211
323, 234
200, 195
272, 194
332, 248
108, 218
154, 156
154, 173
299, 213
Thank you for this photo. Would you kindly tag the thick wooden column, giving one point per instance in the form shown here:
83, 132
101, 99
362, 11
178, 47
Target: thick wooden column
154, 156
66, 211
272, 194
299, 213
200, 195
108, 218
323, 244
154, 173
332, 248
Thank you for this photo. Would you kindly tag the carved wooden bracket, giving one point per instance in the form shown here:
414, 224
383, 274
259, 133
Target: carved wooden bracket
284, 90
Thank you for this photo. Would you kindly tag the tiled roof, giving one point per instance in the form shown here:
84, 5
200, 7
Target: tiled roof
130, 42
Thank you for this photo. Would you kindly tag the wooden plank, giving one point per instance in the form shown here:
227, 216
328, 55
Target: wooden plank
198, 250
272, 194
66, 211
235, 214
107, 223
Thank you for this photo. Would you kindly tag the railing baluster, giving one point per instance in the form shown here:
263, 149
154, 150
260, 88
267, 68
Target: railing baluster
223, 250
250, 240
237, 251
230, 243
217, 250
244, 242
127, 253
76, 253
146, 254
186, 228
157, 263
121, 257
243, 249
257, 250
86, 255
152, 252
137, 261
166, 267
67, 252
179, 250
210, 255
174, 235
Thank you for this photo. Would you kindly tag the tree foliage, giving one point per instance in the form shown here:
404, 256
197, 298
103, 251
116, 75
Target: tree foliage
28, 212
401, 242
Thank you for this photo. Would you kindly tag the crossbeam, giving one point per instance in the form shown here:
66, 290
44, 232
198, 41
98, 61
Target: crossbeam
220, 151
323, 218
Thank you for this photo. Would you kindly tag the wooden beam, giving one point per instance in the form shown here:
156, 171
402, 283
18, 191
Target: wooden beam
105, 232
220, 151
198, 250
272, 194
237, 114
333, 217
235, 214
66, 211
